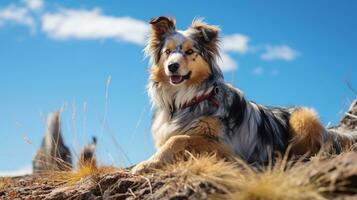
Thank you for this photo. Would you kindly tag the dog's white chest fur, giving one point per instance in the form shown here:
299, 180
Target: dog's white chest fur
162, 127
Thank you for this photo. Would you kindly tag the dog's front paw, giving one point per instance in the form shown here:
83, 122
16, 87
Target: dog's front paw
145, 167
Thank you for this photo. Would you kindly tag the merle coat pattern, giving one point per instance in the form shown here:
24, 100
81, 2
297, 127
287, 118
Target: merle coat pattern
246, 129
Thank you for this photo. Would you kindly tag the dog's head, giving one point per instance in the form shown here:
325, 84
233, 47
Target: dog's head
182, 57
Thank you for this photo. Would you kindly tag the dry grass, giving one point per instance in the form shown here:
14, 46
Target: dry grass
233, 180
285, 180
278, 183
203, 175
5, 182
85, 171
204, 168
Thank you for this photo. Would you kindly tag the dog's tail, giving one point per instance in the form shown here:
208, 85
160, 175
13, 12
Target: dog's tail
308, 135
306, 131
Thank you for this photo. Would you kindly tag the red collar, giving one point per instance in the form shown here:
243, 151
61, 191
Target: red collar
210, 96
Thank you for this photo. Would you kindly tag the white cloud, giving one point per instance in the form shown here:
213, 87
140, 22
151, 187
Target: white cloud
17, 15
226, 63
235, 43
92, 24
258, 70
18, 172
282, 52
34, 4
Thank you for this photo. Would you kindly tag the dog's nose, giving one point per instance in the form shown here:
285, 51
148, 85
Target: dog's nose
173, 67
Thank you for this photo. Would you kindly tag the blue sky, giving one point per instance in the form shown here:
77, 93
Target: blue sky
61, 54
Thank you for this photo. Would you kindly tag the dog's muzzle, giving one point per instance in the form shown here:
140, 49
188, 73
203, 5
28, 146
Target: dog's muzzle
177, 79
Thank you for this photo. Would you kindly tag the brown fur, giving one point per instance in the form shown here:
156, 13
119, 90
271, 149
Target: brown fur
157, 74
202, 138
195, 63
208, 35
306, 132
160, 26
208, 127
200, 70
193, 144
176, 147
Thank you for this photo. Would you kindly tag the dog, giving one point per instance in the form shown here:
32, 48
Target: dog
196, 111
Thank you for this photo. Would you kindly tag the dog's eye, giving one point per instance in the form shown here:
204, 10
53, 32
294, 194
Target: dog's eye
167, 51
189, 52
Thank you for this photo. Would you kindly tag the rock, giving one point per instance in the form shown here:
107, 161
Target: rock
53, 154
338, 174
349, 121
87, 155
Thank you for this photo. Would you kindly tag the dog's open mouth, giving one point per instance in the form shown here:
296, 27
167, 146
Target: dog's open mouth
177, 79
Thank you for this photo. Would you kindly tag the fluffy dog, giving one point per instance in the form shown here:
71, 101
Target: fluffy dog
196, 111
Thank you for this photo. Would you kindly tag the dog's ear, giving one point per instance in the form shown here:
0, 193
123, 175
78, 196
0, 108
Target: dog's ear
206, 35
161, 25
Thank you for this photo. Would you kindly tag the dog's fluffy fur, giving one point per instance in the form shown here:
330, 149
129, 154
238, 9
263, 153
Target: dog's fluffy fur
234, 127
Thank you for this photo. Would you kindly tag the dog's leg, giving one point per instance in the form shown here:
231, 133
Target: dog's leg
306, 132
176, 147
201, 138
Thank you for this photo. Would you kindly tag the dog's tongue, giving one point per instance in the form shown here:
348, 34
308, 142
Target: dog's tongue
175, 79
